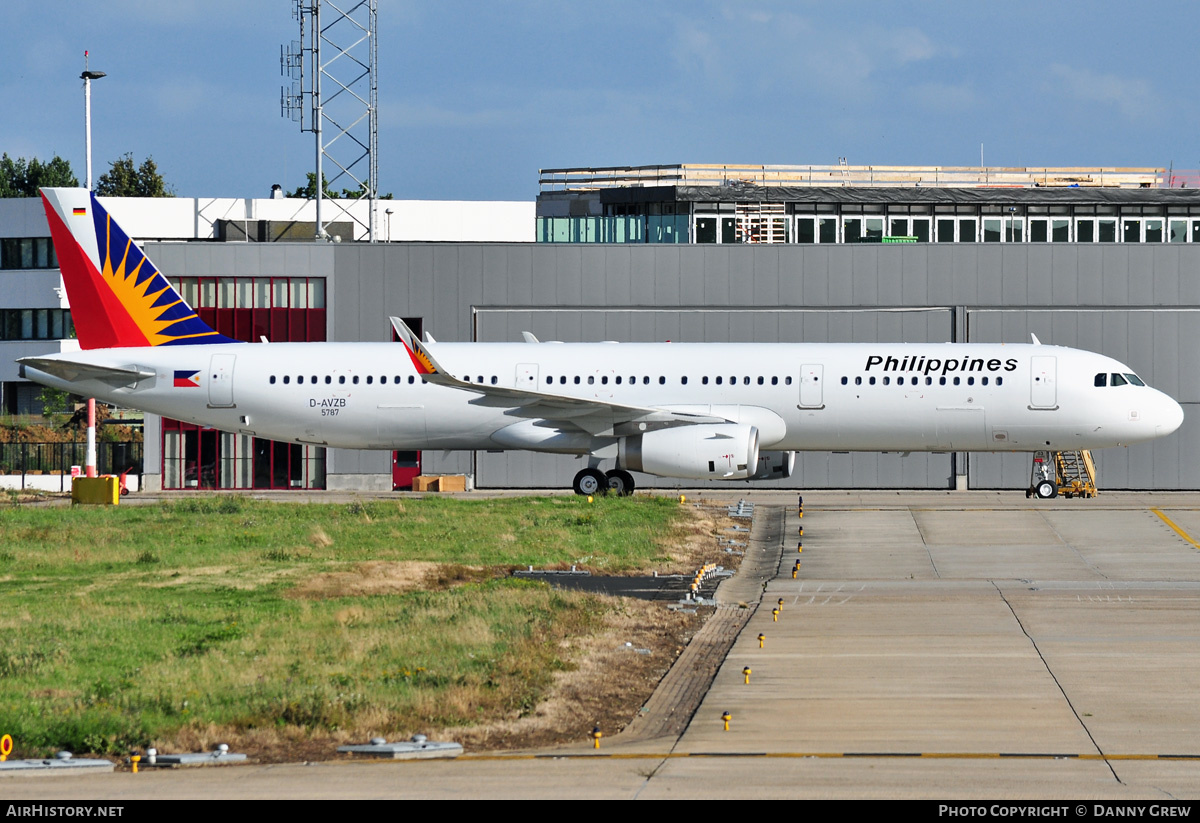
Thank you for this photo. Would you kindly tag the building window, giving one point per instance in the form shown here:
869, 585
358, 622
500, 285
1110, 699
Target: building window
36, 324
27, 253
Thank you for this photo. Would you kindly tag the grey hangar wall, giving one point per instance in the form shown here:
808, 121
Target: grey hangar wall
1137, 303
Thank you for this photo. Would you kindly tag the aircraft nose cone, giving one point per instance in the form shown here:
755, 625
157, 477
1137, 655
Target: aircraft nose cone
1169, 417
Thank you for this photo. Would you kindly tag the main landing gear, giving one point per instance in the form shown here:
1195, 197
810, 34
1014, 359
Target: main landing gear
594, 481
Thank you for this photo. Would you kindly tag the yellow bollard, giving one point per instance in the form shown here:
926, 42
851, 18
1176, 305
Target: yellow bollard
5, 747
589, 498
794, 571
134, 760
802, 531
775, 615
761, 638
682, 499
781, 604
726, 716
800, 547
596, 737
746, 671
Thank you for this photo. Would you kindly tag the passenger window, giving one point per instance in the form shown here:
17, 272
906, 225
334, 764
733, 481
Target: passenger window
604, 380
1118, 380
858, 381
704, 380
774, 381
788, 380
682, 380
733, 381
999, 381
370, 379
286, 379
411, 379
928, 381
970, 381
887, 381
341, 378
591, 379
719, 379
872, 381
562, 379
618, 379
576, 380
983, 381
760, 380
646, 380
272, 380
1101, 380
496, 380
956, 381
899, 381
845, 380
300, 378
354, 380
662, 381
549, 379
941, 381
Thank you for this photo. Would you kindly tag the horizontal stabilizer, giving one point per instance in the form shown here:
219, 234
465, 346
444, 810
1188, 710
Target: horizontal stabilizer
72, 371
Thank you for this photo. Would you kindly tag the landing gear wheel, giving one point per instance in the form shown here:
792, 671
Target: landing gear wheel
1046, 489
619, 482
590, 482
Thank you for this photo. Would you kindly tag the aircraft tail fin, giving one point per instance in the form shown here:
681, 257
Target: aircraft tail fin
118, 297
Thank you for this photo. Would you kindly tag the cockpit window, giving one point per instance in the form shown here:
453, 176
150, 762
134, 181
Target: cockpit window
1101, 380
1118, 380
1134, 379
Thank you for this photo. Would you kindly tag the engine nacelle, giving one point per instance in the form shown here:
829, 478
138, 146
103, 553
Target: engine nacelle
723, 451
774, 465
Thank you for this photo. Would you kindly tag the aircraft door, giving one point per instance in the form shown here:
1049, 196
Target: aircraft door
1042, 389
220, 382
811, 393
527, 376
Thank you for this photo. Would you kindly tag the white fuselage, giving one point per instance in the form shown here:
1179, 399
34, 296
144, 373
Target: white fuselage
800, 396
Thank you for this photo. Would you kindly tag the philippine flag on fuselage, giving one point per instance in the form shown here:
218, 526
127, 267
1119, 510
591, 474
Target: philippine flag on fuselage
187, 379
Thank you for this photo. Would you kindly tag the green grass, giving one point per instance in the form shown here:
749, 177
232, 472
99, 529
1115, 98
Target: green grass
127, 626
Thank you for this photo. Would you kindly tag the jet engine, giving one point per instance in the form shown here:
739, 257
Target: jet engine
723, 451
774, 465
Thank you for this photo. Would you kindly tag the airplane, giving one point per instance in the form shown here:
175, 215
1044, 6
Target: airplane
696, 411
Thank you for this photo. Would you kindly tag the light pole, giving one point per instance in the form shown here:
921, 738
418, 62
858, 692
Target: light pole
87, 77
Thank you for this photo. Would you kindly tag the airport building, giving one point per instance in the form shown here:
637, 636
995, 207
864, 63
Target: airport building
1100, 259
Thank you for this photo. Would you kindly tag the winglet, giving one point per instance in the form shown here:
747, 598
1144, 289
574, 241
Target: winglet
421, 358
529, 338
1036, 342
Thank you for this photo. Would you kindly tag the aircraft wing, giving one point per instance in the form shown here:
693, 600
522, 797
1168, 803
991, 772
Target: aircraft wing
593, 415
71, 370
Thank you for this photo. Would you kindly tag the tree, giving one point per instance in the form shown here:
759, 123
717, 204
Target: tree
23, 178
309, 190
124, 180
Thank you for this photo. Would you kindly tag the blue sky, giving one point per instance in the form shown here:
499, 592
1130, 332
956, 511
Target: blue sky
475, 97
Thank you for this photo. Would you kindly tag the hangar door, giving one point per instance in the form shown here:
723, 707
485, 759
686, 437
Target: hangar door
1158, 344
813, 469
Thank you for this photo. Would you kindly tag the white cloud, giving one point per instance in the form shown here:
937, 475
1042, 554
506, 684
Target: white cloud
1133, 97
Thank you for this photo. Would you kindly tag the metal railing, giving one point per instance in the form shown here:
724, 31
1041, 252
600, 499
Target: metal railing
693, 174
57, 458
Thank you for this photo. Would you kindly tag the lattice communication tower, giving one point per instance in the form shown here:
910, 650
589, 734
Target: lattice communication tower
334, 93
